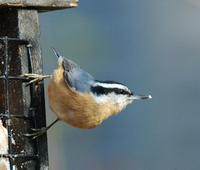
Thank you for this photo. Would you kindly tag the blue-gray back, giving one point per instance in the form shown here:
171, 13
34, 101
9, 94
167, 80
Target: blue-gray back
76, 77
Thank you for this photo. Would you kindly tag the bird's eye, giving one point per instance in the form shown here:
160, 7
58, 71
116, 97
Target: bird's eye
121, 91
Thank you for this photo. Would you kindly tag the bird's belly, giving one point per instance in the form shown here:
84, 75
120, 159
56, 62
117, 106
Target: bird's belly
80, 120
78, 113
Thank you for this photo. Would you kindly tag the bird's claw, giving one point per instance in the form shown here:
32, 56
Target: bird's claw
39, 132
34, 77
36, 133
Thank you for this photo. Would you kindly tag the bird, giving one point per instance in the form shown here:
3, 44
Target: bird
80, 100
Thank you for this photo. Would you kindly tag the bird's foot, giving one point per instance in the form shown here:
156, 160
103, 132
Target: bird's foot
39, 132
34, 77
36, 133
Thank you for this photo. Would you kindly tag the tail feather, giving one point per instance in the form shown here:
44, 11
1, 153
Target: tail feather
55, 52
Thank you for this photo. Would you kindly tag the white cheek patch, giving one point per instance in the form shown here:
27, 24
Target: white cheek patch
100, 98
119, 100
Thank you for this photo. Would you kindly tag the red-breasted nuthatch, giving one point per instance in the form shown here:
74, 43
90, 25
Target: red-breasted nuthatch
80, 100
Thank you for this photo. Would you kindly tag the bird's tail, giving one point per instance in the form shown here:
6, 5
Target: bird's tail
60, 58
141, 97
55, 52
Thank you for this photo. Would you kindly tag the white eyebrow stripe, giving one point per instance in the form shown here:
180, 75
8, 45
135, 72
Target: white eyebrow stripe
111, 85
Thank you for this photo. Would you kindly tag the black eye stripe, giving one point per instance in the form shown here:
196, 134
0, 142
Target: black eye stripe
99, 90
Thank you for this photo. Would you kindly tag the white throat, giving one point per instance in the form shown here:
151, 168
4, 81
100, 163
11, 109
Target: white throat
120, 101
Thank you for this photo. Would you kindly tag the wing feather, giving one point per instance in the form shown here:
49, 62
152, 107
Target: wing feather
76, 77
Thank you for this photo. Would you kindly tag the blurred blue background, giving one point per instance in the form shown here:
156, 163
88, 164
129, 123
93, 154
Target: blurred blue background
153, 46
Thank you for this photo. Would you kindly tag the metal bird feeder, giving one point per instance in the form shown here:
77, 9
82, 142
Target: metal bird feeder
23, 107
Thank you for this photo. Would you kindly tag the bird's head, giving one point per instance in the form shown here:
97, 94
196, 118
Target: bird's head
116, 93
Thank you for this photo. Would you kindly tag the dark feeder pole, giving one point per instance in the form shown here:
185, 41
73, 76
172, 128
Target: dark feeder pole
23, 107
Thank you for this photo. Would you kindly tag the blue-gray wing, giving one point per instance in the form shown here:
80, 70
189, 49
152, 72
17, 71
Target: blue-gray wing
76, 77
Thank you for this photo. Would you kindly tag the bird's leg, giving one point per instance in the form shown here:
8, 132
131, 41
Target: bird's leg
38, 132
34, 77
